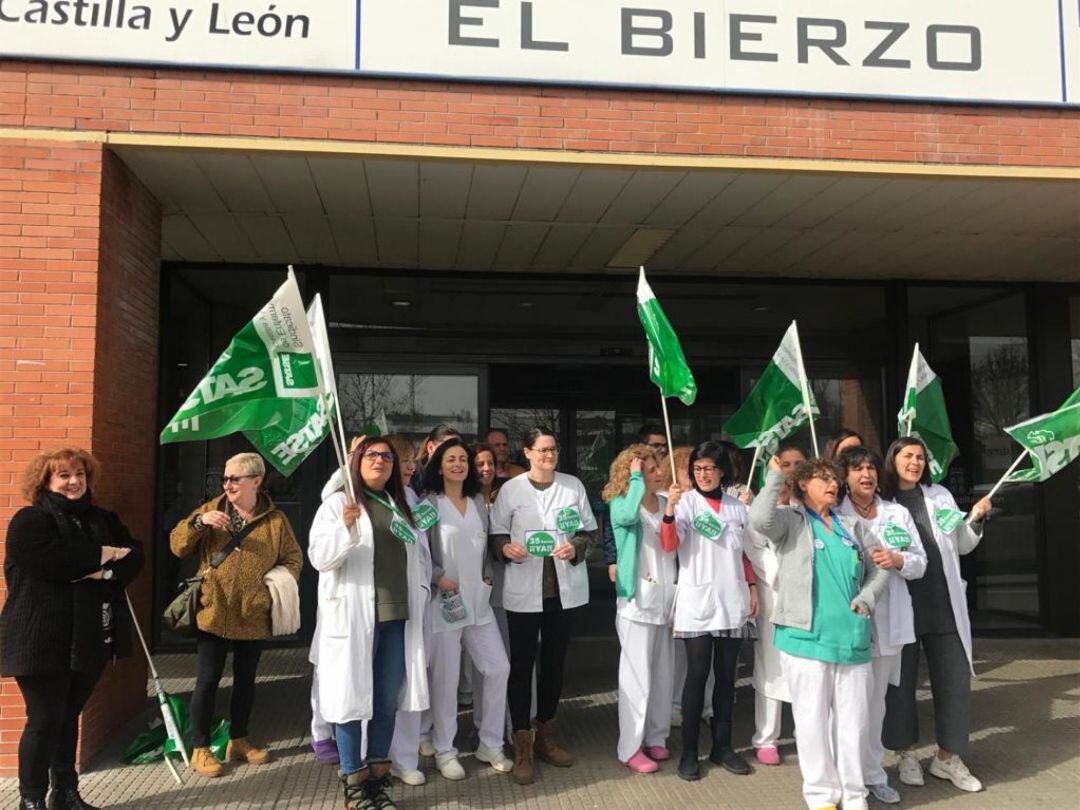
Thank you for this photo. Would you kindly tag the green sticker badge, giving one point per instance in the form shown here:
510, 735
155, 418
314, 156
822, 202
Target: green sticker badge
540, 543
948, 519
402, 531
568, 520
425, 516
708, 526
896, 536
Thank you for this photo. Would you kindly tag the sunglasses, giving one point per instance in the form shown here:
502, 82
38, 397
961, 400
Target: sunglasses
234, 479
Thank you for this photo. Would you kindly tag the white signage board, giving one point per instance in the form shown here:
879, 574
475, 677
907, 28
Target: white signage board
932, 50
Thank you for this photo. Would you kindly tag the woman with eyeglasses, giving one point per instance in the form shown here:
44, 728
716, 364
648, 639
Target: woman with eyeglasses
369, 643
827, 586
714, 601
942, 626
901, 553
541, 526
235, 612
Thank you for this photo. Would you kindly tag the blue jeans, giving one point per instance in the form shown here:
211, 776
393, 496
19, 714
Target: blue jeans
388, 671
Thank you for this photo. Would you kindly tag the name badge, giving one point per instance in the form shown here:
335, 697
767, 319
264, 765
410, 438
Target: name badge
708, 526
819, 545
425, 516
540, 543
402, 531
948, 519
896, 536
568, 520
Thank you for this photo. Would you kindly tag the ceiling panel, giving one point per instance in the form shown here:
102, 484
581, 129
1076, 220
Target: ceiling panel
444, 189
268, 235
694, 192
342, 186
543, 192
494, 191
640, 197
289, 183
394, 187
592, 194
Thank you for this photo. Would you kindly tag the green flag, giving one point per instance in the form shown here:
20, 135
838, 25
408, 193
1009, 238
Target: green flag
667, 364
777, 405
1052, 440
266, 383
923, 415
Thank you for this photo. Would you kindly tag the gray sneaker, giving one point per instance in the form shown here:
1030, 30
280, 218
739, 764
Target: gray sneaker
884, 793
956, 772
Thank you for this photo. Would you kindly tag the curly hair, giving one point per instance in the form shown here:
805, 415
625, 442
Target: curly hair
811, 468
619, 473
42, 466
681, 455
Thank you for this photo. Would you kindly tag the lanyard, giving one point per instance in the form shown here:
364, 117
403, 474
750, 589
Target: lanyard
386, 503
838, 527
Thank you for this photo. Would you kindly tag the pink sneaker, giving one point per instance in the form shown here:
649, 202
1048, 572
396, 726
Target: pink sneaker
657, 753
768, 755
639, 763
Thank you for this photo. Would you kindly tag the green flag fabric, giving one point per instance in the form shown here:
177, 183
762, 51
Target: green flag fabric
266, 384
1052, 440
923, 415
667, 364
776, 406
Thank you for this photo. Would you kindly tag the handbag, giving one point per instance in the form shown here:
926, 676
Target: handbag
180, 614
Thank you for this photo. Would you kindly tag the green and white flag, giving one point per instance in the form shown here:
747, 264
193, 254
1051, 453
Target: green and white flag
266, 384
667, 364
923, 415
1052, 440
779, 403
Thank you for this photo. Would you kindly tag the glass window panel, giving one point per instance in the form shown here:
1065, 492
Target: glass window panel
517, 421
411, 404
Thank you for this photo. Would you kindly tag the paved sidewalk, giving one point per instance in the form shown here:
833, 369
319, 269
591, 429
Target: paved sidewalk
1026, 748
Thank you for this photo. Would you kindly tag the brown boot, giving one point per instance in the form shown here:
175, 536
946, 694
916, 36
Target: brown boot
354, 786
523, 772
205, 763
241, 750
547, 746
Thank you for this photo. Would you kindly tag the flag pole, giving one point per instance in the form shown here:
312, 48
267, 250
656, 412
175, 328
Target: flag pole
671, 446
1002, 480
804, 384
753, 463
912, 371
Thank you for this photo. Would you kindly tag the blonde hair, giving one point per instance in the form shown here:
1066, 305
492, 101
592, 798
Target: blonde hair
681, 456
619, 474
402, 444
40, 470
250, 463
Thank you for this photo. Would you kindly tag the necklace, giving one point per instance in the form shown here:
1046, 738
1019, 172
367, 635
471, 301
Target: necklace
865, 511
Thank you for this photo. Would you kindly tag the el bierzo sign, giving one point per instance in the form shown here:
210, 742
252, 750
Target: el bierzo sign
935, 50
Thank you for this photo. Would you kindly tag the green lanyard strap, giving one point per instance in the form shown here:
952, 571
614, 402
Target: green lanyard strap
388, 504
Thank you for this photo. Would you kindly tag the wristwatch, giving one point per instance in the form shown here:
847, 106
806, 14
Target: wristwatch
108, 574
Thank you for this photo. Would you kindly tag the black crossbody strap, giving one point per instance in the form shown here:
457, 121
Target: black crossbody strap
219, 558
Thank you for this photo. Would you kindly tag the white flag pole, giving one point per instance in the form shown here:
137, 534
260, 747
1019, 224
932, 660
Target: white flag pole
671, 446
753, 463
912, 382
804, 385
1002, 480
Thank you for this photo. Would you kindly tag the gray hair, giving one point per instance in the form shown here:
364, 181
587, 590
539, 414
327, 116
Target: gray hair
251, 463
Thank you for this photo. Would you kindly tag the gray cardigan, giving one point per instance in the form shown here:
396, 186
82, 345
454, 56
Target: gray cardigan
790, 535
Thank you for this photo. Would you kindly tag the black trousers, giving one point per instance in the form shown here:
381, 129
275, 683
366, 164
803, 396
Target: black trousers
551, 629
51, 735
722, 654
211, 664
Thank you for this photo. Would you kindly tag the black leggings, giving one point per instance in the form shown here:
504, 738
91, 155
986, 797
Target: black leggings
723, 654
550, 630
51, 735
211, 665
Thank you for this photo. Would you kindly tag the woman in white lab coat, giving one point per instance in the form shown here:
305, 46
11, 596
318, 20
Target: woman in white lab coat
541, 525
369, 634
460, 614
942, 626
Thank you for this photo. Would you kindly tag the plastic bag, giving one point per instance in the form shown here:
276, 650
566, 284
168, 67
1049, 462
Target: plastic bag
154, 743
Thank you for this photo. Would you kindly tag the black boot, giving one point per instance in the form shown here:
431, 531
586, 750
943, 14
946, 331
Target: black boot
31, 804
68, 799
378, 785
722, 753
689, 769
354, 786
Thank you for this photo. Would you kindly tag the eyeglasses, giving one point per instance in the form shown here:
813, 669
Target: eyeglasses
826, 478
545, 451
658, 446
234, 479
706, 469
371, 456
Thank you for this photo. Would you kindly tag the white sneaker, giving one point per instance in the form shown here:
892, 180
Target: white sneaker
676, 719
450, 768
495, 758
884, 793
956, 772
409, 777
910, 770
427, 748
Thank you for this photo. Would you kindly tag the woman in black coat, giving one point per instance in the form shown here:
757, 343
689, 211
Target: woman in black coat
66, 566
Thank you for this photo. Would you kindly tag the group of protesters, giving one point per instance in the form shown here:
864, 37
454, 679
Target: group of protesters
447, 560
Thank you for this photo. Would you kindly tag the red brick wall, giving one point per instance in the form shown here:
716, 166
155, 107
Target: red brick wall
600, 120
76, 360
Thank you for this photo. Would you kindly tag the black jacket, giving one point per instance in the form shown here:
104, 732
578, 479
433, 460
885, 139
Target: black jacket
50, 623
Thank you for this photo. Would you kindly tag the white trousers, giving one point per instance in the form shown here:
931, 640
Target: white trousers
823, 696
485, 647
405, 745
874, 750
678, 680
320, 729
768, 714
645, 675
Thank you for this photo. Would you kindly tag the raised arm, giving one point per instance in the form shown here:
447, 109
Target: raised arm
330, 540
778, 526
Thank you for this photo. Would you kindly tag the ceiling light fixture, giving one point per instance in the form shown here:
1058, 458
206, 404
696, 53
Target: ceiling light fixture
401, 302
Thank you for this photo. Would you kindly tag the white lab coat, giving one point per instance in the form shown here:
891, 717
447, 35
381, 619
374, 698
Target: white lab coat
894, 618
768, 672
344, 630
519, 508
712, 593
